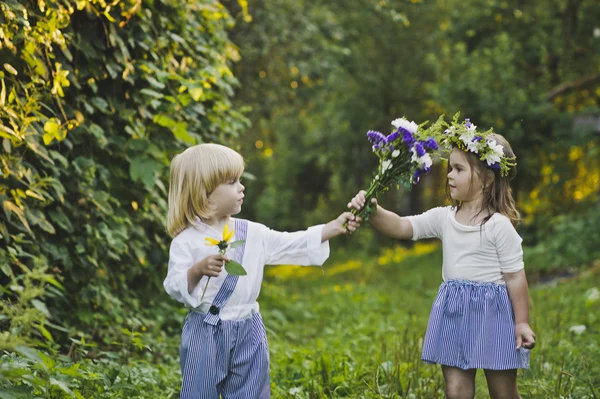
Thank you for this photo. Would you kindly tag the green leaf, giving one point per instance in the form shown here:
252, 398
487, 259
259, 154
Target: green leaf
10, 207
62, 386
236, 244
41, 306
45, 333
235, 269
151, 93
196, 93
144, 170
180, 132
6, 269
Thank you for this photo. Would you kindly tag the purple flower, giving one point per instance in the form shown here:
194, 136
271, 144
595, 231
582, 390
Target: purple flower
407, 137
468, 122
393, 136
431, 144
495, 165
419, 149
477, 138
416, 176
377, 139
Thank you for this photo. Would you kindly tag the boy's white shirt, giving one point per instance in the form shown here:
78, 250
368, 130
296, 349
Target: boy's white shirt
263, 247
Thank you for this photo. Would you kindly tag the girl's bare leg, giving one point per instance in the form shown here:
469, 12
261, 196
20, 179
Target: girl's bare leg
460, 384
502, 384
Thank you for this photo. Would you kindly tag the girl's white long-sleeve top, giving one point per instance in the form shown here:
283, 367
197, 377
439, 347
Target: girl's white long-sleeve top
263, 247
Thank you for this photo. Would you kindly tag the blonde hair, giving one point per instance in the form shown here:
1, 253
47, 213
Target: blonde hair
497, 194
195, 173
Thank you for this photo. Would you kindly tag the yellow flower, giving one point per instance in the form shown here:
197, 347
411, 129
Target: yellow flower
211, 241
227, 235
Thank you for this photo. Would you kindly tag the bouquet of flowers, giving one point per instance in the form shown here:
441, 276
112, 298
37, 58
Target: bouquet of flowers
404, 156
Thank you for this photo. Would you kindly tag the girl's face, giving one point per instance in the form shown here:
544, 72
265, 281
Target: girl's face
462, 179
227, 198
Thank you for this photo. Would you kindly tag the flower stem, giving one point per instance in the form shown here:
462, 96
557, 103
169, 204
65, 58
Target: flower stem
222, 252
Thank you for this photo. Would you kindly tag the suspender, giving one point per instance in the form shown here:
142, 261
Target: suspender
212, 316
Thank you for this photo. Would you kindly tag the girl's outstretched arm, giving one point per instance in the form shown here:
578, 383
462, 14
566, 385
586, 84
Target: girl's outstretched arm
387, 222
518, 291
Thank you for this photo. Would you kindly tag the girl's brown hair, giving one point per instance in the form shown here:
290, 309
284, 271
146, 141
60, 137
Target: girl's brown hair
497, 194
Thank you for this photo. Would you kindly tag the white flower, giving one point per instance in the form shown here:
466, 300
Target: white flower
401, 122
467, 138
495, 153
385, 165
395, 153
592, 295
426, 161
577, 329
472, 128
295, 391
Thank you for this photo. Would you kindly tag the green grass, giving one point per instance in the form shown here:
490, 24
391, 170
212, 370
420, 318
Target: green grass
356, 331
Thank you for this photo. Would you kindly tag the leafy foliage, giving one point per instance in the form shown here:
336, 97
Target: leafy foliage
95, 100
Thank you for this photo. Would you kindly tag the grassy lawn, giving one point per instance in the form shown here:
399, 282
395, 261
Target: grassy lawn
355, 330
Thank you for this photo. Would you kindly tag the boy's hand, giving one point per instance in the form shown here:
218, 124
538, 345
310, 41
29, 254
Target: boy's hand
358, 201
336, 226
525, 336
211, 266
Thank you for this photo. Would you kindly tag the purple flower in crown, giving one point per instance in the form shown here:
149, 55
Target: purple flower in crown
431, 144
468, 122
495, 165
477, 139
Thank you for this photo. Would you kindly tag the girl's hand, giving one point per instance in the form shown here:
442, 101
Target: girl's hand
525, 336
359, 201
212, 265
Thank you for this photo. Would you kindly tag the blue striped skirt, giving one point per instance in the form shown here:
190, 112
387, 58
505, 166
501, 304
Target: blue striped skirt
472, 326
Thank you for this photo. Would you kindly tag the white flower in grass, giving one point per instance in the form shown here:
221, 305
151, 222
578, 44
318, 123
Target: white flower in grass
403, 123
592, 295
395, 153
577, 329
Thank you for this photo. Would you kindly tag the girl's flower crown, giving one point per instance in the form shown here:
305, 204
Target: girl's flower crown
465, 136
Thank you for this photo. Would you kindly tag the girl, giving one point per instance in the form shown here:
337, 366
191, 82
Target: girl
480, 317
224, 351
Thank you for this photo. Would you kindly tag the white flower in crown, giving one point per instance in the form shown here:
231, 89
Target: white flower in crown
405, 124
495, 153
467, 139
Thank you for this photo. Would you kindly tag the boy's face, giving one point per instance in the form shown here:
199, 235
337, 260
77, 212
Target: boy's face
227, 198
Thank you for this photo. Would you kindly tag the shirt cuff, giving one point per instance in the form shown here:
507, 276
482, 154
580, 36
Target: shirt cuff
182, 285
318, 251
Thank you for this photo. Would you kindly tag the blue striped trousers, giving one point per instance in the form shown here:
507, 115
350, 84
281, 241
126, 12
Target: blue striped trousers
229, 360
